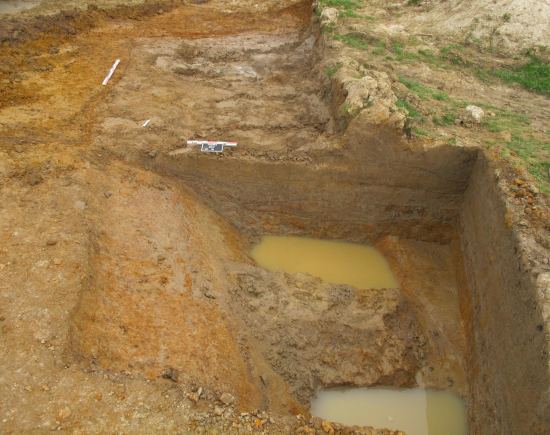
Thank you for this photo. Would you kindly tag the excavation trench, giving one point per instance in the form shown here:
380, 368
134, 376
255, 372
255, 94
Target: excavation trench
186, 297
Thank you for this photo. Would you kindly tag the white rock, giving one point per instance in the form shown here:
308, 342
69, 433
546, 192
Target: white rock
329, 16
227, 399
476, 113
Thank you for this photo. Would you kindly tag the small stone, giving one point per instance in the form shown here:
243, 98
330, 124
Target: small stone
218, 410
57, 261
207, 292
195, 396
327, 427
108, 194
64, 414
519, 181
160, 258
81, 205
170, 373
51, 242
227, 399
45, 388
19, 149
34, 179
534, 190
153, 153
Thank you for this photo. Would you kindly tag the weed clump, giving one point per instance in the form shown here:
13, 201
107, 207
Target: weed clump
331, 70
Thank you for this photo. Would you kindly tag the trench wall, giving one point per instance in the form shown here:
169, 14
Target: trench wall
509, 377
408, 194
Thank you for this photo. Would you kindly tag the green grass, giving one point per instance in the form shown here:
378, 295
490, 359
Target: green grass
328, 29
331, 70
401, 54
447, 119
452, 54
347, 110
536, 155
533, 152
379, 50
347, 8
424, 92
353, 40
414, 2
534, 75
505, 121
420, 131
428, 56
412, 111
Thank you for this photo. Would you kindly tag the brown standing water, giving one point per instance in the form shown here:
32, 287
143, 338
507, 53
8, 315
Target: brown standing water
357, 265
415, 411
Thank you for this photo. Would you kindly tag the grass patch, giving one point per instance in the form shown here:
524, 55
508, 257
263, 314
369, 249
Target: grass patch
379, 50
447, 119
535, 154
353, 40
328, 28
401, 54
505, 121
428, 56
331, 70
424, 92
347, 110
420, 131
347, 8
534, 75
452, 54
412, 111
522, 146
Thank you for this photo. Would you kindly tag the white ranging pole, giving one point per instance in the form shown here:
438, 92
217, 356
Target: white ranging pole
111, 72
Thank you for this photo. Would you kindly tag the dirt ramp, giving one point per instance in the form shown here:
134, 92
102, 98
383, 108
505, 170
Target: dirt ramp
145, 310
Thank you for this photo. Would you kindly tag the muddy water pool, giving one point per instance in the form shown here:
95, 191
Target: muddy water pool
357, 265
415, 411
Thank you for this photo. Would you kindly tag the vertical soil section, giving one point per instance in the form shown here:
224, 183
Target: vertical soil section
508, 369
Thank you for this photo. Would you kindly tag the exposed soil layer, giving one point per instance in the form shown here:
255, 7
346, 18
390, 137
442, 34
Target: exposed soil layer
141, 310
